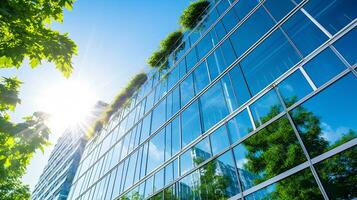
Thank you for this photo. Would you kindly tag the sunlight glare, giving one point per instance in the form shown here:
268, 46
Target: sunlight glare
68, 104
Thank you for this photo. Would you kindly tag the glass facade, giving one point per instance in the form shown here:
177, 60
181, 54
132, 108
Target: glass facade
258, 103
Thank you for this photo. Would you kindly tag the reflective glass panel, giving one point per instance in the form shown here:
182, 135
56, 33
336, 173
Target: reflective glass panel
332, 14
239, 126
329, 118
298, 186
213, 106
304, 34
219, 140
293, 88
324, 66
344, 46
201, 77
267, 153
156, 150
187, 90
251, 30
265, 108
191, 125
338, 174
268, 61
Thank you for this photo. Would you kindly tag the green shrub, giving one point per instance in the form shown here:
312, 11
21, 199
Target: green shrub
193, 14
159, 58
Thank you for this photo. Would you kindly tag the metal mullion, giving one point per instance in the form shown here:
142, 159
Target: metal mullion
314, 21
343, 147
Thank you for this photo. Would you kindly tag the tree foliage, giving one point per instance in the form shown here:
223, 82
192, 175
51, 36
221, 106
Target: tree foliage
275, 149
18, 141
193, 14
159, 58
25, 33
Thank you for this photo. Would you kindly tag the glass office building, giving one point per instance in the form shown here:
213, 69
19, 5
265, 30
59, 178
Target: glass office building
56, 179
259, 102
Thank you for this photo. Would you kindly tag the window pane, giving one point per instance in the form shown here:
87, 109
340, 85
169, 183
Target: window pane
230, 20
240, 87
195, 155
215, 63
243, 7
338, 174
173, 77
191, 58
201, 77
293, 88
265, 108
204, 46
324, 66
344, 46
228, 91
191, 125
329, 118
304, 34
148, 186
146, 127
158, 116
213, 105
268, 61
268, 153
156, 150
298, 186
159, 180
218, 179
227, 50
175, 130
182, 66
279, 8
333, 15
250, 31
239, 126
187, 90
219, 140
175, 100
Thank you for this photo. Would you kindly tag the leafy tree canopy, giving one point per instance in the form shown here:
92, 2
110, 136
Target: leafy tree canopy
18, 141
25, 33
193, 14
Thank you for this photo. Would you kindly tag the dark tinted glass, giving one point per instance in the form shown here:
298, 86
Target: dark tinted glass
279, 8
338, 174
344, 46
332, 14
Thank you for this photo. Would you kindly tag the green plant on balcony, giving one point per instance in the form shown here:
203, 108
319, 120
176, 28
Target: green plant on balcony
159, 58
193, 14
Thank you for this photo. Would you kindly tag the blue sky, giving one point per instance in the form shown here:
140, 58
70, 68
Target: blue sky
114, 38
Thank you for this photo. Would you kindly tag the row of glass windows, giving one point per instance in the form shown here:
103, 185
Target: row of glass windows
216, 92
295, 90
202, 78
271, 150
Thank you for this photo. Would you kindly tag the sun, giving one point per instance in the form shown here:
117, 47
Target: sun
68, 104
